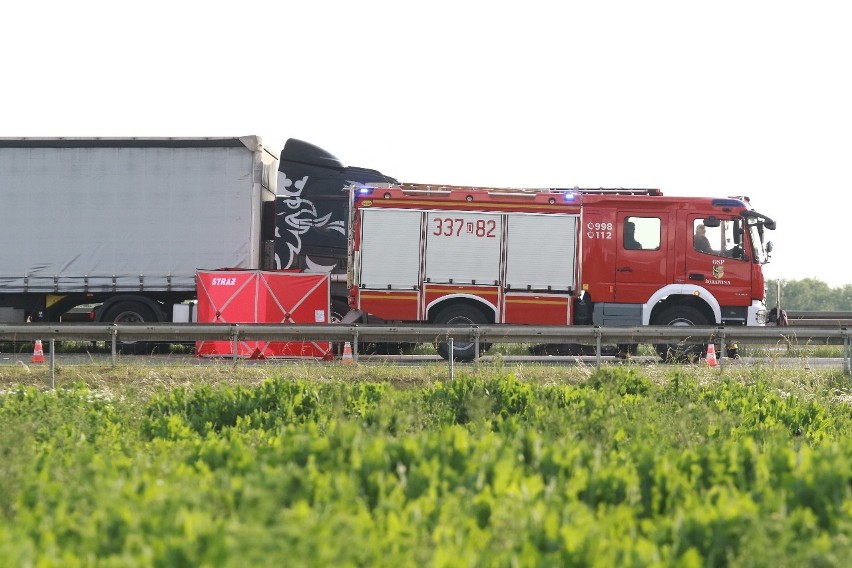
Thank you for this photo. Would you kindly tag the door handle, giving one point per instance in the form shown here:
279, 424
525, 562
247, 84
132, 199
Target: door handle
694, 276
624, 269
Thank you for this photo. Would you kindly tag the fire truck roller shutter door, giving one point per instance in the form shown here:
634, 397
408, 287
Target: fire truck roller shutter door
463, 247
391, 245
553, 238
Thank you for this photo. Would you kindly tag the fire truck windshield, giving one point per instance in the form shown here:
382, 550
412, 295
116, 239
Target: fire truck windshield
756, 225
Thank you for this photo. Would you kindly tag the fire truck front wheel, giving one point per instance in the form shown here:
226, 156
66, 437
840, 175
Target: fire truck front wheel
680, 352
461, 314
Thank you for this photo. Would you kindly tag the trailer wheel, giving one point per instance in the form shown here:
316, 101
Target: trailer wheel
129, 311
680, 352
460, 314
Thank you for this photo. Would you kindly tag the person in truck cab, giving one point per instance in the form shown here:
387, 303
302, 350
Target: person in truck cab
630, 241
700, 240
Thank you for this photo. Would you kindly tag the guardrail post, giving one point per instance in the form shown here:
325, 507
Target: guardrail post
476, 345
849, 354
355, 345
450, 359
235, 339
52, 364
721, 349
598, 346
113, 332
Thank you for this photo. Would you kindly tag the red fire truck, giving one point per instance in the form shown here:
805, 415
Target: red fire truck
628, 257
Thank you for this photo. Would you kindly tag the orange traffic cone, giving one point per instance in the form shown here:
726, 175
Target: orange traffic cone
347, 353
38, 352
711, 355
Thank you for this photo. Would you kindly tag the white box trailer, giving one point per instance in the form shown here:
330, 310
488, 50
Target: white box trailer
127, 222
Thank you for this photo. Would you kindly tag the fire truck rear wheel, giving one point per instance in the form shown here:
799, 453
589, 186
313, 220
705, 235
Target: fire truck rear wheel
461, 314
680, 352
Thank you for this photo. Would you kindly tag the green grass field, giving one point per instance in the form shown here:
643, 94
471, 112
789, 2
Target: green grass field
342, 465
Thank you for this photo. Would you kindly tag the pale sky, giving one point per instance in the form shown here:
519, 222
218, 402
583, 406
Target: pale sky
712, 98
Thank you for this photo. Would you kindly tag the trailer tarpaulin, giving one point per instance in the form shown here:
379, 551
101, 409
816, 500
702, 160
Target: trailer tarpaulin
254, 296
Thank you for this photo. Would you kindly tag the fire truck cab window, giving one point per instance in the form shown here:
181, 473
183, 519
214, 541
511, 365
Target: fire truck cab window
724, 239
641, 233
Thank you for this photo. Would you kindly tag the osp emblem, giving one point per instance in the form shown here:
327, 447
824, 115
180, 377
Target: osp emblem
718, 271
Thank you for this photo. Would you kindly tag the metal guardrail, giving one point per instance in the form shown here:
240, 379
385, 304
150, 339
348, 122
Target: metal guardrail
819, 319
356, 333
826, 335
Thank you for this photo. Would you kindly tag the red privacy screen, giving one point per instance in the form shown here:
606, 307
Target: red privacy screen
254, 296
